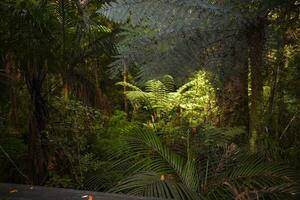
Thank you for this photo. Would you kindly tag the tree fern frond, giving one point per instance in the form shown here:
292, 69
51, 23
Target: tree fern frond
177, 34
155, 11
129, 85
64, 11
169, 83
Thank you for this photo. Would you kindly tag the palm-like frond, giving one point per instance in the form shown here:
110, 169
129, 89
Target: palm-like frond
230, 175
152, 184
250, 177
158, 168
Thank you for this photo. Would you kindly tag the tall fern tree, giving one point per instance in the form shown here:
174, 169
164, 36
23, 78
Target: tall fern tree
31, 34
84, 39
174, 36
193, 102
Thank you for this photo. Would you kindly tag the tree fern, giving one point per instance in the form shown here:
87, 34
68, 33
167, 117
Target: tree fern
195, 99
176, 37
177, 33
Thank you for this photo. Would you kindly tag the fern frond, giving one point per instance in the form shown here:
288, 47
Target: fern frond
169, 83
253, 176
163, 169
152, 184
177, 33
155, 170
129, 85
156, 11
64, 10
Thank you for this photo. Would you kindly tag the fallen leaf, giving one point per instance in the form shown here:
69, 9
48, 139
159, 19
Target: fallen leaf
13, 190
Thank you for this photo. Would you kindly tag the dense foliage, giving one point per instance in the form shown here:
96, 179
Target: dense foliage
174, 99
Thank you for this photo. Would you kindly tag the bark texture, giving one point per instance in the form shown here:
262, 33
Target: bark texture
234, 94
256, 44
37, 138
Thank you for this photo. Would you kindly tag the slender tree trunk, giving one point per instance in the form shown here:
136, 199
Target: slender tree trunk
37, 138
242, 63
256, 44
272, 98
101, 100
66, 91
280, 116
12, 76
125, 79
277, 107
276, 101
97, 86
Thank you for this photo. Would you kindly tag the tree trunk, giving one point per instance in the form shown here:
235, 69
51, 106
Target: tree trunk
66, 91
277, 106
101, 100
12, 79
125, 79
234, 97
37, 139
276, 101
256, 44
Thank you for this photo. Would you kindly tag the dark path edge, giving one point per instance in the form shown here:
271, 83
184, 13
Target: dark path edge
27, 192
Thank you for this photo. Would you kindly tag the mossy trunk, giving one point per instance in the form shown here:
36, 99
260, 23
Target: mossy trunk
256, 44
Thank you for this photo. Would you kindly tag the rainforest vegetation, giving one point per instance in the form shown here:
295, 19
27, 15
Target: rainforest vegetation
173, 99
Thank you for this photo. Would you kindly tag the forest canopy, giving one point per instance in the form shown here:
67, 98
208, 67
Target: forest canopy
172, 99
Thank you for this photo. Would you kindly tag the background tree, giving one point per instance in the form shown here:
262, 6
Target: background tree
40, 36
180, 34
